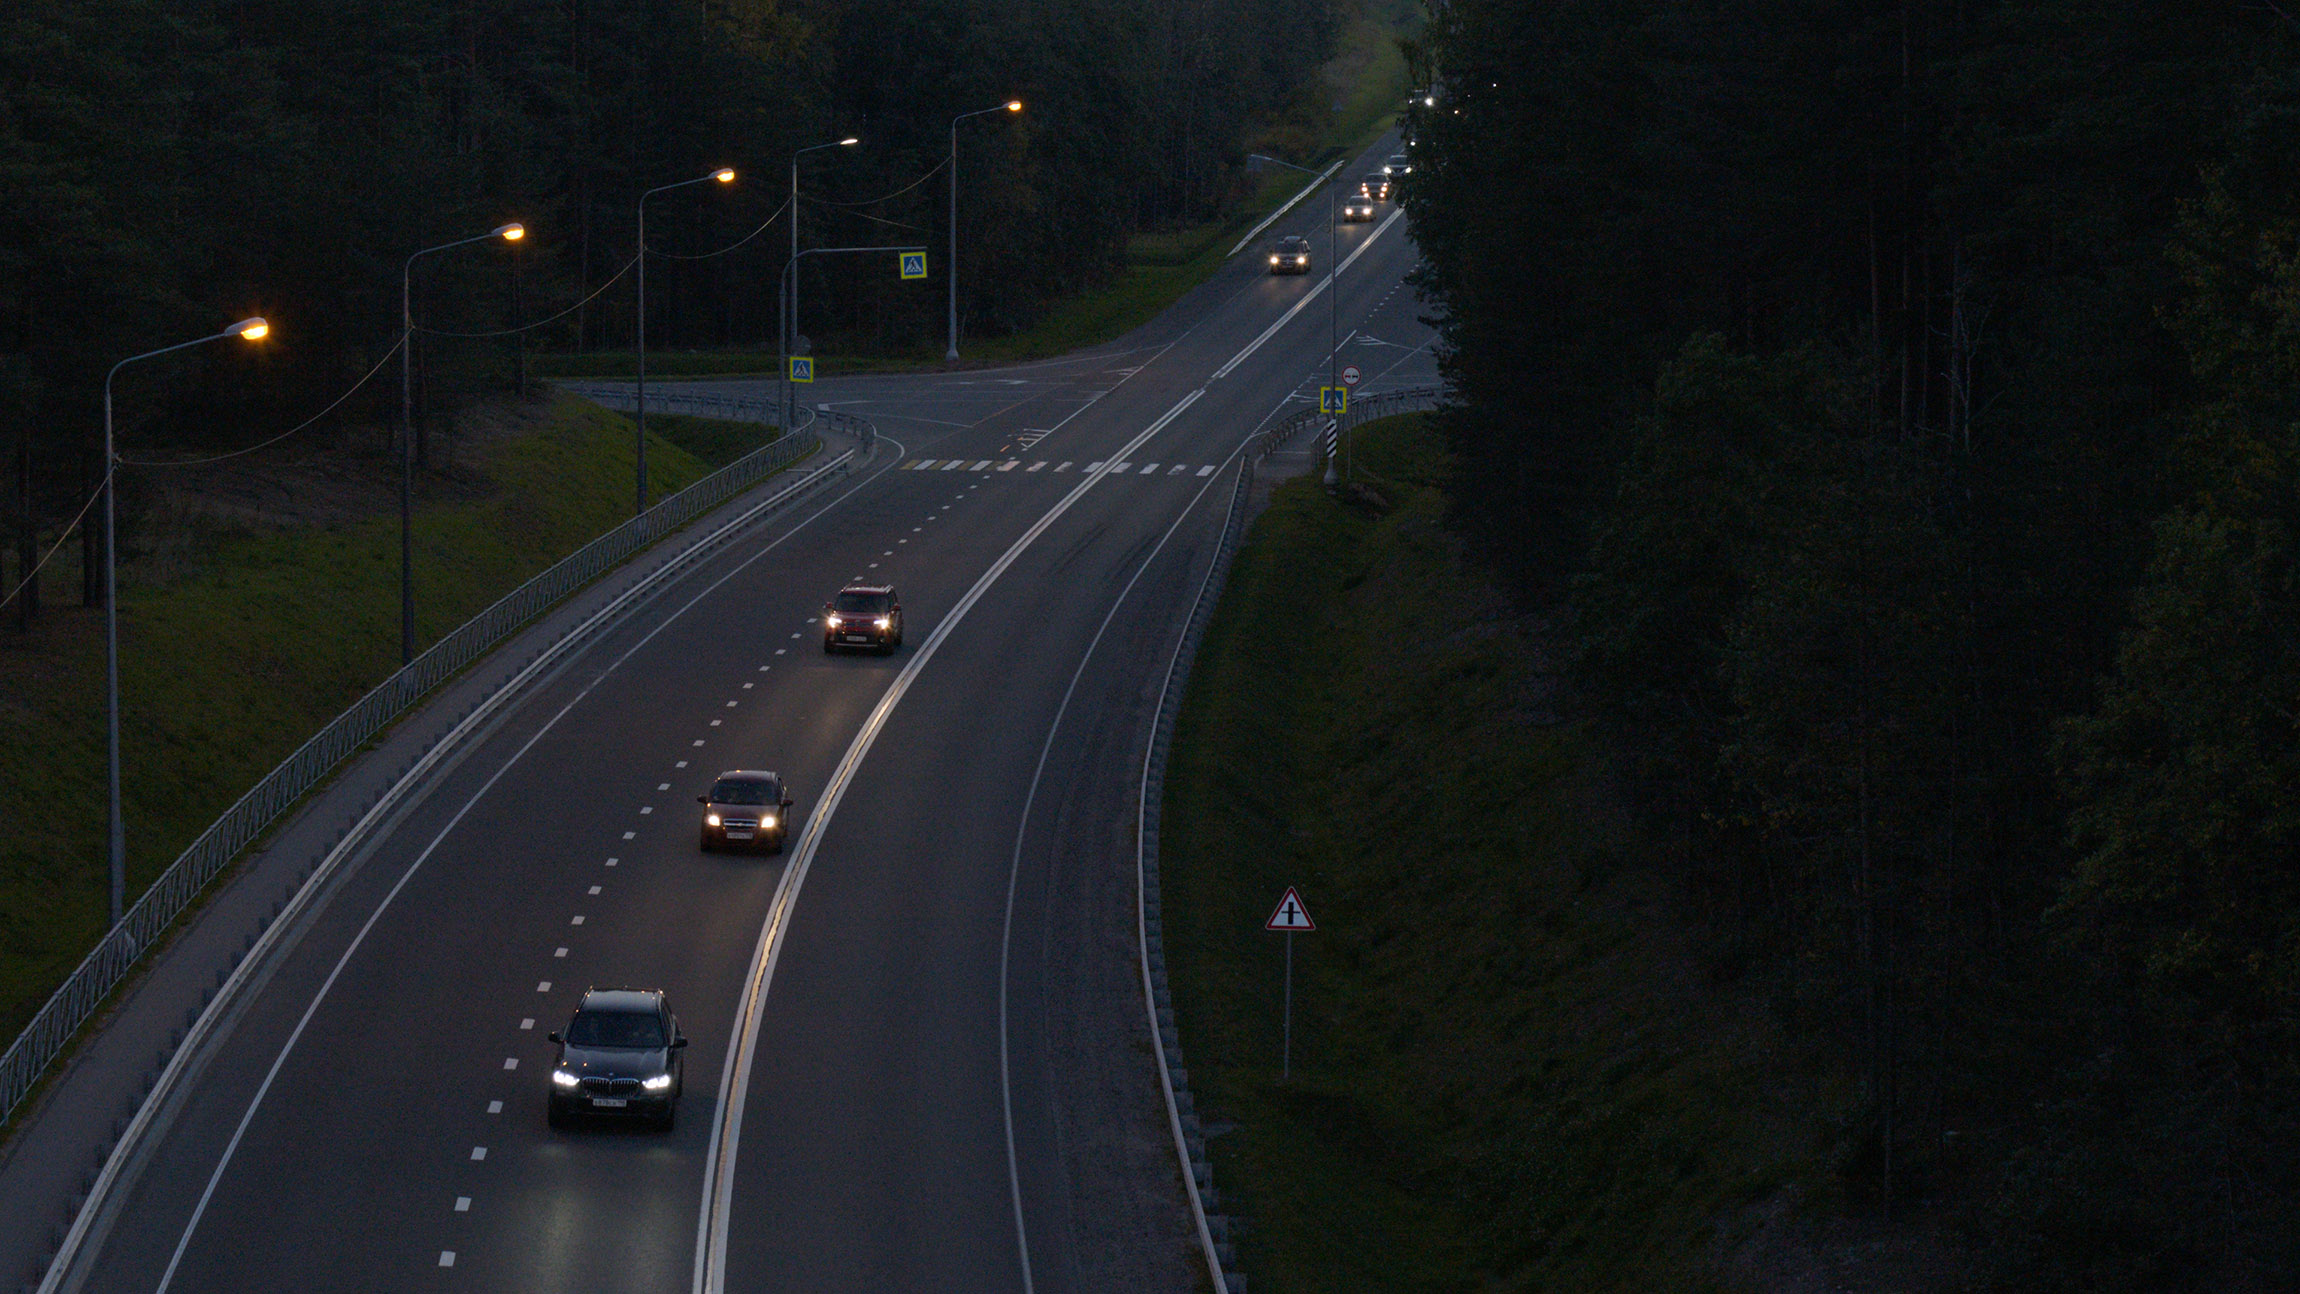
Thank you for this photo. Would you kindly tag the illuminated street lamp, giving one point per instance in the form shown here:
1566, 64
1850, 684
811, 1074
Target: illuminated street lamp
951, 270
791, 305
724, 175
247, 329
510, 233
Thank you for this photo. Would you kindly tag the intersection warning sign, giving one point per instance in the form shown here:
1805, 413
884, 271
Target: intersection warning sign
1291, 915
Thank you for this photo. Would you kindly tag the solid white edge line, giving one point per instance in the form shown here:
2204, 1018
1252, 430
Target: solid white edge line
1308, 297
1022, 827
171, 1074
726, 1132
1291, 203
1141, 908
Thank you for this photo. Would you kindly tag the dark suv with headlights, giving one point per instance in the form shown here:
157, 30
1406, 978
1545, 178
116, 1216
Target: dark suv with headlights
1375, 188
618, 1056
1292, 255
745, 807
863, 615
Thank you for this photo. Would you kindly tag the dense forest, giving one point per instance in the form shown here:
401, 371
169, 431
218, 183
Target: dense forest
1896, 407
167, 168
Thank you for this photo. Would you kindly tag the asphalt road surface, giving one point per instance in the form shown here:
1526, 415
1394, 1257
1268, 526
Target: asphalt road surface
919, 1058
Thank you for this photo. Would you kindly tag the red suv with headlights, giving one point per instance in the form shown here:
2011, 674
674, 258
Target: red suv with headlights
863, 615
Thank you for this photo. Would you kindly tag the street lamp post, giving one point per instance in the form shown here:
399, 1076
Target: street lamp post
251, 330
510, 233
1333, 279
951, 270
791, 304
724, 175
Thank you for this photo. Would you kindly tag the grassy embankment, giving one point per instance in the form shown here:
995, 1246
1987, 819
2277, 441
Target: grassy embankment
238, 640
1367, 81
1508, 1072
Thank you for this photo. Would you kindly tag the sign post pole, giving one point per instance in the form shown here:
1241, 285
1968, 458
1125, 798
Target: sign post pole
1290, 917
1286, 1052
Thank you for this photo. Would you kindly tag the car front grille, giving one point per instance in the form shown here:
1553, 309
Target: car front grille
740, 824
611, 1086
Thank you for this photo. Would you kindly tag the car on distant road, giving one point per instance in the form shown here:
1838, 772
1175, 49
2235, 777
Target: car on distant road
862, 615
618, 1056
745, 807
1357, 210
1399, 164
1292, 255
1375, 187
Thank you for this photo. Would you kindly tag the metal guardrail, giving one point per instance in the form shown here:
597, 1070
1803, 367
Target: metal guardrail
1363, 409
623, 396
1214, 1226
143, 925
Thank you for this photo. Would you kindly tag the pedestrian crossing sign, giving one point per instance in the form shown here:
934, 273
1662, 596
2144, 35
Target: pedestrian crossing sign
802, 368
1333, 399
914, 265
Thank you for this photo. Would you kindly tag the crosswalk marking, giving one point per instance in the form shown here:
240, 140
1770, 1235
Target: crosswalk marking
1040, 465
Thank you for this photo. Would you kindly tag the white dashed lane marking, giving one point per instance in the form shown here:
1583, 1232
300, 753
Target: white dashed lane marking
495, 1107
463, 1204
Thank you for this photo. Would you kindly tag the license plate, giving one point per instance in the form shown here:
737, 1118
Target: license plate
609, 1102
858, 638
738, 835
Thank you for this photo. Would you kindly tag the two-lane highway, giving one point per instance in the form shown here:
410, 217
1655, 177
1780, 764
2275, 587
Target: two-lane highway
918, 1054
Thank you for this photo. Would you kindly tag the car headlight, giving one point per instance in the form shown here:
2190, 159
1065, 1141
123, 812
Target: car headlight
1273, 260
830, 622
564, 1078
658, 1083
767, 820
884, 622
710, 819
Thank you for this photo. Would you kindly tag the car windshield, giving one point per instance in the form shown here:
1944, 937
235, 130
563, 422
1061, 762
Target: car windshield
615, 1029
746, 791
862, 604
1294, 245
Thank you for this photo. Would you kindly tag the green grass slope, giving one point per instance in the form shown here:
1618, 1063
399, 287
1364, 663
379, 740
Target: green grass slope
250, 640
1507, 1071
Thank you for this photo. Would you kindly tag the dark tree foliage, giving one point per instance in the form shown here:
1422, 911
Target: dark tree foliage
168, 166
1901, 398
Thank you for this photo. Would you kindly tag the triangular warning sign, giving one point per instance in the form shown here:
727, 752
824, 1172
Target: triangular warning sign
1291, 915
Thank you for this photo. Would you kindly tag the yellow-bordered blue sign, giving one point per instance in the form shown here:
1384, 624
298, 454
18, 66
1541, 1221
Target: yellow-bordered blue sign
1333, 399
802, 368
914, 265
